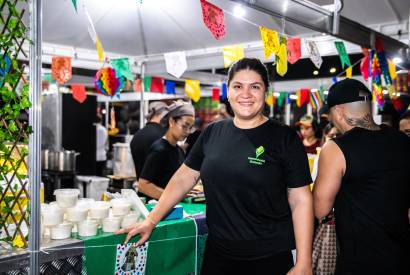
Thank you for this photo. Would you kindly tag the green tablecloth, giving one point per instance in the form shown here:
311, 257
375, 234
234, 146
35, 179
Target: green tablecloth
172, 248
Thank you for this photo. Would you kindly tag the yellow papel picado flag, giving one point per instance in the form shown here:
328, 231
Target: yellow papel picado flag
270, 41
282, 58
232, 54
192, 89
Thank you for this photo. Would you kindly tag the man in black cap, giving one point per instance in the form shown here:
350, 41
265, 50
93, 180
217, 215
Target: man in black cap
143, 139
364, 175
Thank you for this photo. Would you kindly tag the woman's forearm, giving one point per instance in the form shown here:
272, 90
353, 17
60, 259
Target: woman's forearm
301, 204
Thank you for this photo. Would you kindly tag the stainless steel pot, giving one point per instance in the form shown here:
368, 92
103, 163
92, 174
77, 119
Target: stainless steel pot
66, 161
63, 161
48, 160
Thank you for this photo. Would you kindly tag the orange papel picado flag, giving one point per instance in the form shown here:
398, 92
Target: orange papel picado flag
270, 41
270, 98
232, 54
192, 89
302, 97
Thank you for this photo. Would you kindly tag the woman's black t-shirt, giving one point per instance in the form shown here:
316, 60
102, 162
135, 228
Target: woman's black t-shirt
162, 162
246, 174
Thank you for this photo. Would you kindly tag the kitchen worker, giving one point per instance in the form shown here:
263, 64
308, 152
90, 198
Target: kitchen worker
165, 156
256, 181
364, 175
143, 139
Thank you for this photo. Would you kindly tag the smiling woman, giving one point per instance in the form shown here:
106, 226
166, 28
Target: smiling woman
247, 84
256, 180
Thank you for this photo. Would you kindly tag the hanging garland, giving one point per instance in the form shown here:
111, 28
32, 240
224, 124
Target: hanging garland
107, 83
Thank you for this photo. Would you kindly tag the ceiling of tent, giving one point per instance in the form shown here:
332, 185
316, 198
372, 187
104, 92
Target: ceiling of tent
159, 26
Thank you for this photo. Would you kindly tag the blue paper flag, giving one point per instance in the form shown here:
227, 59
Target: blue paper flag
170, 87
224, 91
288, 101
334, 79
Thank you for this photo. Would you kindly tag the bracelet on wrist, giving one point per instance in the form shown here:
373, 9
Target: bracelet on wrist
151, 221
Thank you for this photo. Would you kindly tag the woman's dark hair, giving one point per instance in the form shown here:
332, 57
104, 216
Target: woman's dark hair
252, 64
165, 120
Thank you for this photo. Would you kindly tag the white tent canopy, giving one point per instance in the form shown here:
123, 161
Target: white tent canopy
144, 32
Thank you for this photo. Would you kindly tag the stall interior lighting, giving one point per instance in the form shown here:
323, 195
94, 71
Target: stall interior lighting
294, 97
238, 11
315, 72
325, 92
285, 6
276, 94
385, 92
397, 60
332, 70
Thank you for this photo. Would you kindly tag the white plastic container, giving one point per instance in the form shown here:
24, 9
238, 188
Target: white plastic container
66, 197
111, 224
94, 186
61, 231
87, 228
76, 214
120, 207
99, 210
52, 216
85, 203
129, 220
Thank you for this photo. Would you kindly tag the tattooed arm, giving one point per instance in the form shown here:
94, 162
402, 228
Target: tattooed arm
181, 182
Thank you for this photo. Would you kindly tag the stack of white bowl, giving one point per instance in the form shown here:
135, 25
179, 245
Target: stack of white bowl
70, 214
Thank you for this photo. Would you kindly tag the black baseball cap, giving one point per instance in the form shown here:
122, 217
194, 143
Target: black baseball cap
346, 91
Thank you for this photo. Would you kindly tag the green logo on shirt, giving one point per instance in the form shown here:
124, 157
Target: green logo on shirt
256, 160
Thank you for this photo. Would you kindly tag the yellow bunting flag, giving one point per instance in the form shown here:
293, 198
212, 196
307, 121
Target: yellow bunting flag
232, 54
270, 41
93, 34
392, 69
99, 50
282, 58
192, 89
349, 72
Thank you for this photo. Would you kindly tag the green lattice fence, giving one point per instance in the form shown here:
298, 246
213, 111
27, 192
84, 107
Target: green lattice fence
14, 129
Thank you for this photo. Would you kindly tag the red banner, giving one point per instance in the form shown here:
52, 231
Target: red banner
294, 50
157, 85
214, 19
79, 93
216, 94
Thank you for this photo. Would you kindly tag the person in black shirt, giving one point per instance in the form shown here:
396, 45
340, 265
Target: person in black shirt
364, 175
143, 139
165, 156
256, 182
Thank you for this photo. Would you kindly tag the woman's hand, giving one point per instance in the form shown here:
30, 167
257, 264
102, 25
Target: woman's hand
300, 270
144, 229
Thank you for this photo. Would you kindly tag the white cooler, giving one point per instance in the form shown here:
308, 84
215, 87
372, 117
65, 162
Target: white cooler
92, 186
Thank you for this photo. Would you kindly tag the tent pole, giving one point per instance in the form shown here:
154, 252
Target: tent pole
142, 105
35, 138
